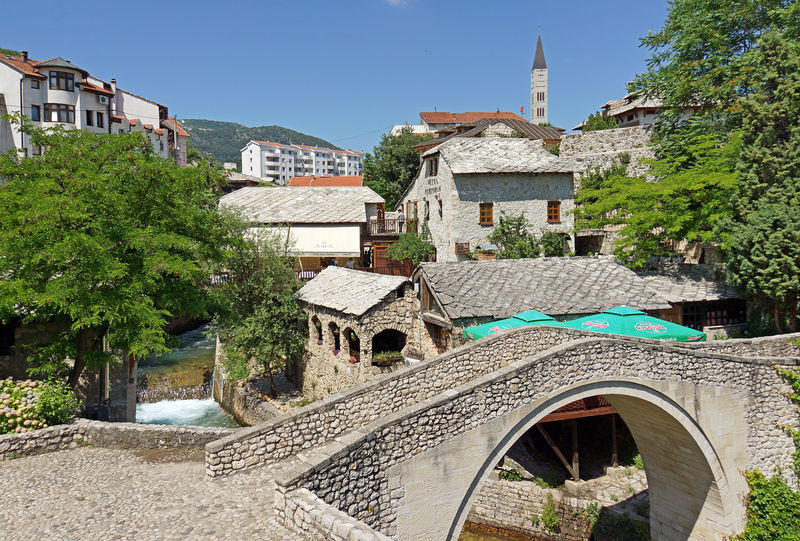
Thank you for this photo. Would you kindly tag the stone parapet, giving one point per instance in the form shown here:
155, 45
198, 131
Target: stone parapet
306, 514
101, 434
600, 148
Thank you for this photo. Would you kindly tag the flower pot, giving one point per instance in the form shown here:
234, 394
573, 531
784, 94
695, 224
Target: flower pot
319, 342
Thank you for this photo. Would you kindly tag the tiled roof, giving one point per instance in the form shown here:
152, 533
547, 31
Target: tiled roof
171, 125
59, 62
16, 62
553, 285
689, 283
132, 121
349, 291
531, 131
326, 181
442, 117
344, 204
471, 155
630, 104
159, 131
96, 89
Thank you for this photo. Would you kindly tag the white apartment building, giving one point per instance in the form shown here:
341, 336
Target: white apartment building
278, 163
57, 92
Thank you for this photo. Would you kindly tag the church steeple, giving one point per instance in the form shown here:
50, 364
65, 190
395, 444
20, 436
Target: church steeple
539, 86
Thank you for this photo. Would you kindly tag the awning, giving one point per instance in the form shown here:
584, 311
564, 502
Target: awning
627, 321
319, 240
523, 319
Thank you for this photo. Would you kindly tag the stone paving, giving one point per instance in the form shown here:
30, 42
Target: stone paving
94, 493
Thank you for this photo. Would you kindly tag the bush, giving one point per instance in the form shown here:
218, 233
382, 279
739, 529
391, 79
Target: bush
552, 244
638, 462
30, 405
511, 475
550, 519
387, 358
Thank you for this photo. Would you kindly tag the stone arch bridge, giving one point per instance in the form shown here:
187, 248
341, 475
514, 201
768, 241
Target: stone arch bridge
405, 455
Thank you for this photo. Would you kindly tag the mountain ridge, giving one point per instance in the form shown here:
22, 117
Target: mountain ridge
225, 140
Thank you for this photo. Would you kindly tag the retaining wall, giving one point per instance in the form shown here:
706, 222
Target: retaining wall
101, 434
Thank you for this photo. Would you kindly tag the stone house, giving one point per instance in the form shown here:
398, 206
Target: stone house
499, 127
352, 316
466, 184
457, 295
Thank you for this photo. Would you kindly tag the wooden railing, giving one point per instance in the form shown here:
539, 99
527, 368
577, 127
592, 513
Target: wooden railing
386, 226
394, 270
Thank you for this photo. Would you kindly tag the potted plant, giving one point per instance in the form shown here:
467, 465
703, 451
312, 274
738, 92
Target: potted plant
387, 358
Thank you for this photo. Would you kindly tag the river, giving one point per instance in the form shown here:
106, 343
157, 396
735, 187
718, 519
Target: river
175, 387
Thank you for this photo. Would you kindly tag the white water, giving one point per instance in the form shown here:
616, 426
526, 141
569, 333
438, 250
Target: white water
183, 412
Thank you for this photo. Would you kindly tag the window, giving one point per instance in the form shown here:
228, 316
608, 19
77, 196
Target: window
486, 214
540, 111
36, 150
554, 212
34, 84
90, 118
161, 146
61, 80
439, 336
540, 96
440, 208
59, 112
36, 113
432, 166
100, 121
427, 301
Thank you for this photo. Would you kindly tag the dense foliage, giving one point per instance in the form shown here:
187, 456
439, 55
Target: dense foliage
410, 246
110, 240
258, 317
29, 405
599, 121
392, 165
224, 140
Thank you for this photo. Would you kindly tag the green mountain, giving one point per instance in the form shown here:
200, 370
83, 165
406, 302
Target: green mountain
225, 140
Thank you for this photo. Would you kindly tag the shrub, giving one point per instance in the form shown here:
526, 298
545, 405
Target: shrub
511, 475
552, 244
550, 518
387, 358
29, 405
592, 513
638, 462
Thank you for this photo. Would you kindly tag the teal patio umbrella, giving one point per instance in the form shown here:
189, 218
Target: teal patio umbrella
523, 319
627, 321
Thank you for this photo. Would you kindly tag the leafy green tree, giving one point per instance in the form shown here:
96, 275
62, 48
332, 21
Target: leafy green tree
552, 244
514, 238
392, 165
599, 121
764, 234
259, 318
686, 198
410, 246
102, 234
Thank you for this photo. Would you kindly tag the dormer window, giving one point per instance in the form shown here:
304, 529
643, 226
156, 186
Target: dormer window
61, 80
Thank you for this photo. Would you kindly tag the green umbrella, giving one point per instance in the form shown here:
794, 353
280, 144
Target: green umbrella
629, 322
523, 319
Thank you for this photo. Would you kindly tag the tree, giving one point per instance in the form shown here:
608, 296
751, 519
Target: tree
410, 246
514, 238
102, 234
393, 164
764, 233
599, 121
259, 318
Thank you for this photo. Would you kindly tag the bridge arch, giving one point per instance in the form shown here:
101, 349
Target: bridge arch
689, 490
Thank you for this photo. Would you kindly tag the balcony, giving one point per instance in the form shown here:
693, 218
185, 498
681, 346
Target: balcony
387, 226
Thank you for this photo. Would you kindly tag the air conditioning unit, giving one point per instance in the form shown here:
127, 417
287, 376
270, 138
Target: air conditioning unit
102, 99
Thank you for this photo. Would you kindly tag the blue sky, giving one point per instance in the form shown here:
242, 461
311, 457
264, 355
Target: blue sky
347, 71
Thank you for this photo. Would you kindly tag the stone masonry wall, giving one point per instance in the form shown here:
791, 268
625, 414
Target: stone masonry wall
600, 148
365, 403
508, 506
352, 473
303, 512
117, 435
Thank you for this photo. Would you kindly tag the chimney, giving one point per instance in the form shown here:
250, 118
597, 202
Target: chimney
25, 56
113, 100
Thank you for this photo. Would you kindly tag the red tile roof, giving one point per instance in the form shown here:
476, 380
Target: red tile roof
439, 117
326, 181
16, 62
133, 121
159, 131
181, 131
148, 127
96, 89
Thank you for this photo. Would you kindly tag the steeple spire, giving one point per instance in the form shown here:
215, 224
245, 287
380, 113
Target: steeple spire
538, 60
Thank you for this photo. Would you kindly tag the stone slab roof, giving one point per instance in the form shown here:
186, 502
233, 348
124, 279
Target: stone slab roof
471, 155
688, 283
552, 285
348, 291
531, 131
278, 205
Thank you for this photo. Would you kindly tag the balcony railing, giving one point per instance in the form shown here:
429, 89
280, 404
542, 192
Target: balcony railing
394, 270
387, 226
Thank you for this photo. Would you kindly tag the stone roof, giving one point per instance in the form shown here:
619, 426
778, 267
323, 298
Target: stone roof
552, 285
349, 291
280, 205
680, 282
501, 155
531, 131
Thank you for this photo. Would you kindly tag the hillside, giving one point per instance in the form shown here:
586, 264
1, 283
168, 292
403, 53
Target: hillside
224, 140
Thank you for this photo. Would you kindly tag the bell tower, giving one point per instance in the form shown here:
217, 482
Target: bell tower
539, 86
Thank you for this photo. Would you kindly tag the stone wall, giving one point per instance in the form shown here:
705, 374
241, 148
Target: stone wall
367, 402
508, 506
600, 148
304, 513
357, 472
766, 346
115, 435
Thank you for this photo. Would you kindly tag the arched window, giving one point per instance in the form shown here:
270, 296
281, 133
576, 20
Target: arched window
317, 325
353, 344
336, 338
